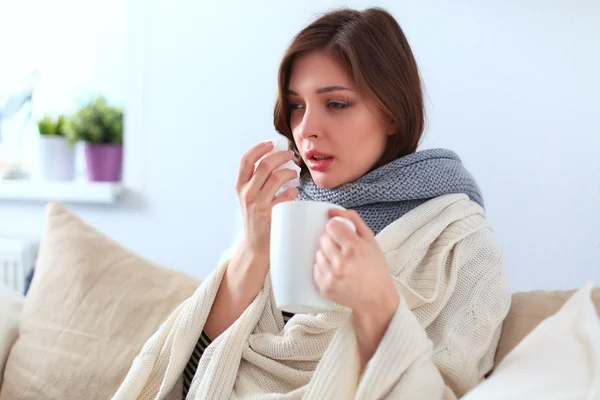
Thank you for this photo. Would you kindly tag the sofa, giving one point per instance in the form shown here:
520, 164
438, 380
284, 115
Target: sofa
92, 304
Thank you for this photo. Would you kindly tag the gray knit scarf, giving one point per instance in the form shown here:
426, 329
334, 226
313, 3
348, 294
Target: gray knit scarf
387, 193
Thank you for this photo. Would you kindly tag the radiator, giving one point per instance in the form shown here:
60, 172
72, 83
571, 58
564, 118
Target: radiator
17, 257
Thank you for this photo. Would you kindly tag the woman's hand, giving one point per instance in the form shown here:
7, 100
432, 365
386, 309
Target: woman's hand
351, 270
256, 192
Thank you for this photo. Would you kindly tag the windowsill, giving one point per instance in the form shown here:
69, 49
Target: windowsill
82, 192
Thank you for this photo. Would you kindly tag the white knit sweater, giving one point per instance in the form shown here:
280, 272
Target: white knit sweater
440, 343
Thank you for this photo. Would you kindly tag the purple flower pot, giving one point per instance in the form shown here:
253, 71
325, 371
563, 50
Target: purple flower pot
104, 162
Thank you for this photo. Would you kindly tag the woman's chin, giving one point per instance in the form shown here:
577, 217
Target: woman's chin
326, 180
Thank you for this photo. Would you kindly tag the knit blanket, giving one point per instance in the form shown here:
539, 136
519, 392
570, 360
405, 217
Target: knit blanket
316, 356
387, 193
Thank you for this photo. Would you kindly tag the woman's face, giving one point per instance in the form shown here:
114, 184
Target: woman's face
340, 134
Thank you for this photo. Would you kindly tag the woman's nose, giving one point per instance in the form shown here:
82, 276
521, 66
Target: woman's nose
311, 126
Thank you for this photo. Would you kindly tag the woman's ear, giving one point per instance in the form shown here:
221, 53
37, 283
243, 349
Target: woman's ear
392, 128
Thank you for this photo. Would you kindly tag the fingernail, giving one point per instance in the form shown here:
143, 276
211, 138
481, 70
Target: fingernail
268, 143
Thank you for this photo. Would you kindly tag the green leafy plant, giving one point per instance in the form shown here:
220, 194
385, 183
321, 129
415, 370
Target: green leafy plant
97, 122
50, 126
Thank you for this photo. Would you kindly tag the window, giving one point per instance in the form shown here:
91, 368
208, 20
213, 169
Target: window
78, 47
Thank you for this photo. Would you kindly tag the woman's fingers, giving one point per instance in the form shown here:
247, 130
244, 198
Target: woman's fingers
249, 160
275, 181
288, 195
267, 166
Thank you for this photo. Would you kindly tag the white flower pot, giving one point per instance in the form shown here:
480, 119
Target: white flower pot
57, 159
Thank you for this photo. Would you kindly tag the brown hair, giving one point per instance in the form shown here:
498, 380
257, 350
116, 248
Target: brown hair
372, 49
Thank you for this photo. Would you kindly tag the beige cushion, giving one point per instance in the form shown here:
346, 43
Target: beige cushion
91, 306
11, 304
527, 310
559, 359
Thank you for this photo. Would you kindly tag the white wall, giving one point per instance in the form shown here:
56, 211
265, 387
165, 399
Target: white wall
514, 88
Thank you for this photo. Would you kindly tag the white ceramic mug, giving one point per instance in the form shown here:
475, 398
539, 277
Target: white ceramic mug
296, 228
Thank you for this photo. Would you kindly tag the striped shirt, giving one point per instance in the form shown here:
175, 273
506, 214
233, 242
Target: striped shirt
203, 342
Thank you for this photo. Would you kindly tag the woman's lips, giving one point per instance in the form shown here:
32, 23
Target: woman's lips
318, 161
319, 165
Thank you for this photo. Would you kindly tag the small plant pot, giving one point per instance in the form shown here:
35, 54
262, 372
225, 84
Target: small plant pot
104, 162
56, 159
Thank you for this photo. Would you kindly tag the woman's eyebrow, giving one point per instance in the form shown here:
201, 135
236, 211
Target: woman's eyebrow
326, 89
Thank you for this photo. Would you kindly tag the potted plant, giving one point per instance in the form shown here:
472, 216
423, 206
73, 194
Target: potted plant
56, 155
100, 126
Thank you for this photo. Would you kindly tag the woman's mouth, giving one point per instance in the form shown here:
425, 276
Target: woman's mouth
317, 161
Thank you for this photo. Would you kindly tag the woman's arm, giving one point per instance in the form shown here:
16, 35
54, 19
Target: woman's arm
243, 280
245, 276
453, 352
370, 324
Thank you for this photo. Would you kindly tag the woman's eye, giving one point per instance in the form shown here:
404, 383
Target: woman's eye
336, 105
294, 107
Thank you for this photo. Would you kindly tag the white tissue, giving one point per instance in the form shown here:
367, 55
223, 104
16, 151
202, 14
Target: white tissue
282, 144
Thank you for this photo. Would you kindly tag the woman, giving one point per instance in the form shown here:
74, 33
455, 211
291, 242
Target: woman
420, 285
